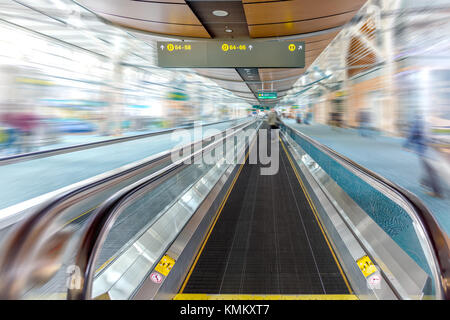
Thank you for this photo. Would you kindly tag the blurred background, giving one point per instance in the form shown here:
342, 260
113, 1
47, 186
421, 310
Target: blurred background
382, 89
386, 69
67, 78
377, 92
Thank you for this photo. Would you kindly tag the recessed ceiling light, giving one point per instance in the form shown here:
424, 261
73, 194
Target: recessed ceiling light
220, 13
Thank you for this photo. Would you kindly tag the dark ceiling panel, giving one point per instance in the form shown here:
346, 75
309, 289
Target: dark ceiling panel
218, 73
249, 74
235, 20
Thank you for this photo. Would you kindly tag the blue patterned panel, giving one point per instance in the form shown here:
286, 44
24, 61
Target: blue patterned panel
391, 217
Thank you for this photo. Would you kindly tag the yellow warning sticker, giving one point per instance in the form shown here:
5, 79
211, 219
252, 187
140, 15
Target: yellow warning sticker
165, 265
366, 265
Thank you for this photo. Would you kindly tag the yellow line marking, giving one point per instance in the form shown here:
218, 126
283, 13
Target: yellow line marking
219, 211
200, 296
311, 204
76, 218
105, 264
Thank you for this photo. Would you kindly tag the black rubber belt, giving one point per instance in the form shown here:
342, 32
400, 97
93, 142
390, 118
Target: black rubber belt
266, 241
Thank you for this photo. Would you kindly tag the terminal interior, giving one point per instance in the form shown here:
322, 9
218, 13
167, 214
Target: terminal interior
224, 150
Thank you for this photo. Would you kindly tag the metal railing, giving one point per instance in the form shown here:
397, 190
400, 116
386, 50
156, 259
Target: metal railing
34, 245
90, 145
436, 239
96, 232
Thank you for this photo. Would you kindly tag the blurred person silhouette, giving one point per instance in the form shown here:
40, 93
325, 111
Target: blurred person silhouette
308, 117
273, 119
364, 123
22, 124
10, 133
418, 142
335, 120
8, 137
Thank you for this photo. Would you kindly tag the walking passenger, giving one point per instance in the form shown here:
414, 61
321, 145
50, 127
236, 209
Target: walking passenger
418, 142
364, 123
274, 120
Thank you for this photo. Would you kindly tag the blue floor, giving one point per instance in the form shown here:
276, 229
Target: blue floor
383, 155
26, 180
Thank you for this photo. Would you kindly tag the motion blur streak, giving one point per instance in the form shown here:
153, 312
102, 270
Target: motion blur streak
382, 88
69, 78
377, 93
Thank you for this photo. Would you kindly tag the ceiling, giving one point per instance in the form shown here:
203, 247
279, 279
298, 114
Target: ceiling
316, 22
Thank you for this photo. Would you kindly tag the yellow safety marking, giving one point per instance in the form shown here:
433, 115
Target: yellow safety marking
199, 296
48, 296
113, 257
311, 204
76, 218
34, 81
366, 266
219, 211
105, 264
165, 265
104, 296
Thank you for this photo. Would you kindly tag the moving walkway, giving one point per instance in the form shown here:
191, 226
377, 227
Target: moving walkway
216, 222
267, 241
73, 148
33, 178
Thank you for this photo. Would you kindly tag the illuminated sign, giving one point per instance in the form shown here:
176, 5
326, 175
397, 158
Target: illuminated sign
171, 47
231, 54
267, 95
179, 96
261, 107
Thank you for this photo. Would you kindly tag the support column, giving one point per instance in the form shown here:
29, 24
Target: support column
390, 105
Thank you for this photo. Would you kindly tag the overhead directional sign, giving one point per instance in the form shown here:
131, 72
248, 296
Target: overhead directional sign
231, 54
267, 95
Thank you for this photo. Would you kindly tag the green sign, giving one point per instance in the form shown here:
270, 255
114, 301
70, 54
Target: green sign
267, 95
261, 107
231, 54
177, 96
